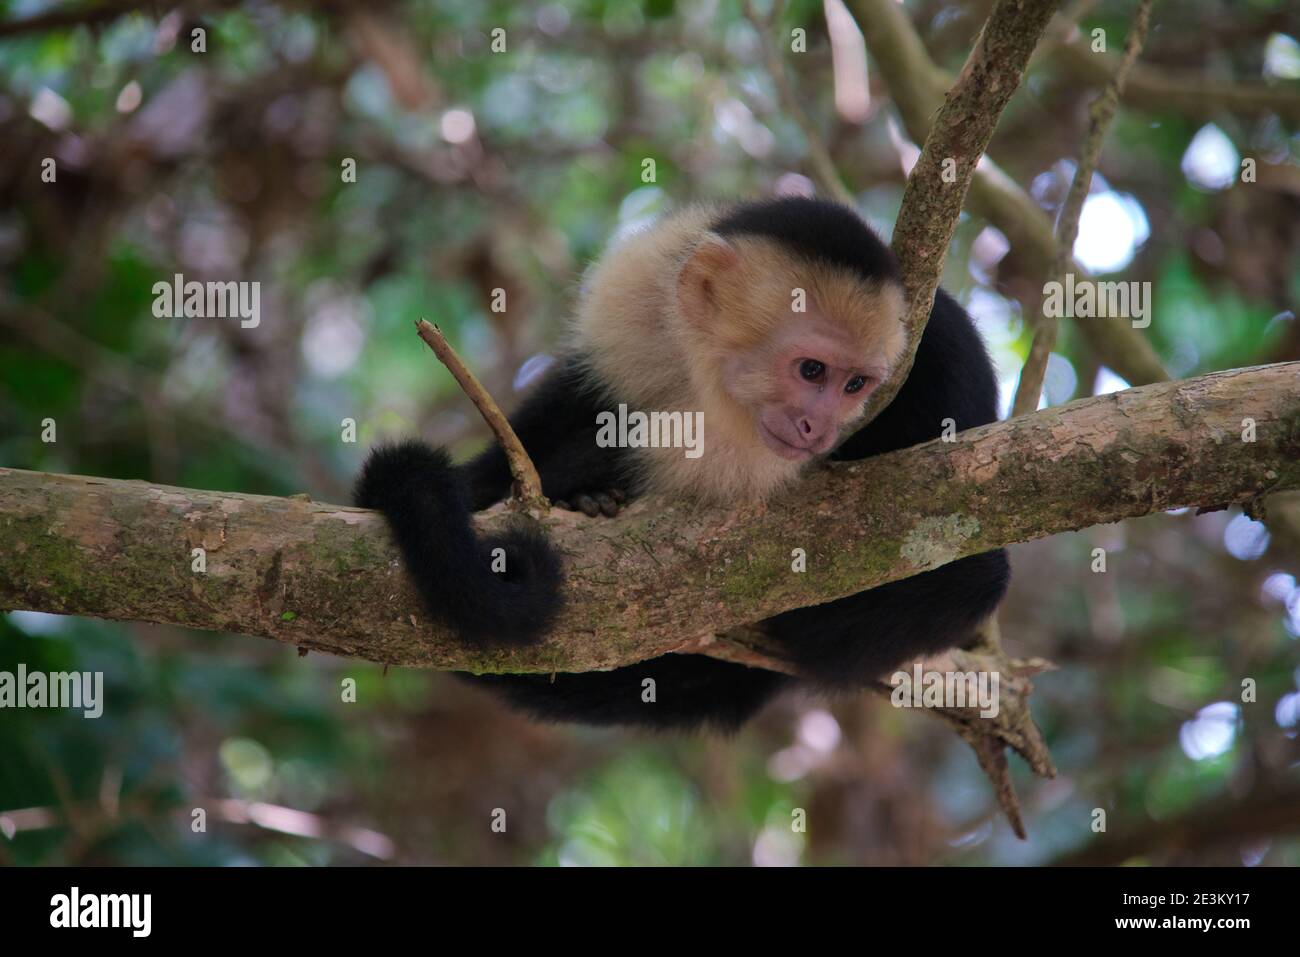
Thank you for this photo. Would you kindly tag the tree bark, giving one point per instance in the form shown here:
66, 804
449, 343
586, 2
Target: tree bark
664, 575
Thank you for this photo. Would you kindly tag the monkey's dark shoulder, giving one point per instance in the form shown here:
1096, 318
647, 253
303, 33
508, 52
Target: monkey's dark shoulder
557, 425
951, 378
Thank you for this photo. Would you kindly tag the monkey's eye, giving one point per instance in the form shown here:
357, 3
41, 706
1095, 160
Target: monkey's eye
811, 369
855, 384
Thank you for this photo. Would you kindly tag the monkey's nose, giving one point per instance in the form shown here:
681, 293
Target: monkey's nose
812, 433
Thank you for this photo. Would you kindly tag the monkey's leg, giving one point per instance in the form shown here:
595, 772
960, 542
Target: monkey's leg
670, 692
852, 641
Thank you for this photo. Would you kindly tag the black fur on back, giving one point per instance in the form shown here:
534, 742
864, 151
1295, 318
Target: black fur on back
425, 500
951, 377
815, 229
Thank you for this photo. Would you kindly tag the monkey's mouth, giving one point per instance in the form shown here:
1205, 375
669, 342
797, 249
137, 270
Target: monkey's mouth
793, 453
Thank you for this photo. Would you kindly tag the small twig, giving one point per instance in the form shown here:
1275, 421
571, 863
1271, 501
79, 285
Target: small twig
1100, 114
527, 490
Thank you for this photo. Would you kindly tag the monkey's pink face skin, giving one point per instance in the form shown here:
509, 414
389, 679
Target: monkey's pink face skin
817, 381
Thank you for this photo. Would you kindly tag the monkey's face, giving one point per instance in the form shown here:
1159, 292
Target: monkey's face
816, 381
797, 347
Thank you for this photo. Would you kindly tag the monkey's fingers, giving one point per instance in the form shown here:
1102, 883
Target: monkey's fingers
606, 503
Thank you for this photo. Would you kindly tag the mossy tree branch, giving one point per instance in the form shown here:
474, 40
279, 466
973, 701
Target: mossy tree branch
662, 576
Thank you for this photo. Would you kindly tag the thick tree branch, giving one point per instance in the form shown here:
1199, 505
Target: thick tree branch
662, 576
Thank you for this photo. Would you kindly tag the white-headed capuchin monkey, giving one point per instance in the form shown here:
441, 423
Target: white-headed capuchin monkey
700, 312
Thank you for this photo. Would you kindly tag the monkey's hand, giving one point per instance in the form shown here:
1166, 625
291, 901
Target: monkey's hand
607, 503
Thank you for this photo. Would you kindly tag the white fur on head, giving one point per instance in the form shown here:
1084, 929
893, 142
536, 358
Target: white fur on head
666, 310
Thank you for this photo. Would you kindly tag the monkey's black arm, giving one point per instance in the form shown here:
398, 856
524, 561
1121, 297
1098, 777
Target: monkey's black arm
499, 589
557, 425
503, 589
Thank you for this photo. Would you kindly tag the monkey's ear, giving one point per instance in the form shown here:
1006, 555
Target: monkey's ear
697, 283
